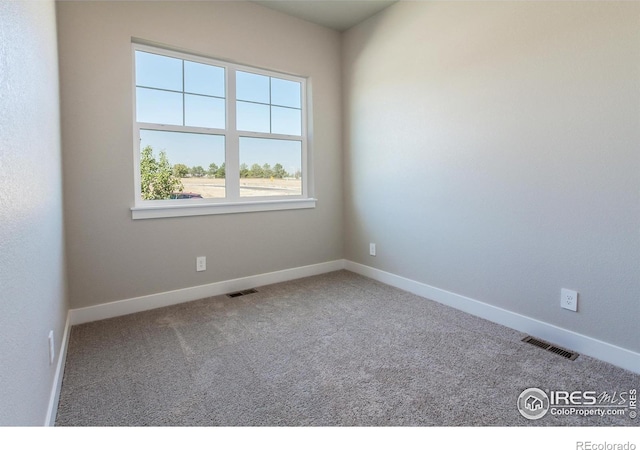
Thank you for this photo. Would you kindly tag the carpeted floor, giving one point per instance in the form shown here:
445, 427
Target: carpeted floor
331, 350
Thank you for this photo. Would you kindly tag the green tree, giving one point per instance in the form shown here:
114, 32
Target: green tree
157, 179
221, 172
255, 171
278, 171
267, 172
244, 170
213, 169
180, 170
197, 171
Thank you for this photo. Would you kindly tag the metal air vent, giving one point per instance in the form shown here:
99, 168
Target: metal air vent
551, 348
241, 293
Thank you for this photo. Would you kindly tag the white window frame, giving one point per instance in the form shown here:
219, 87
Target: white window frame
233, 203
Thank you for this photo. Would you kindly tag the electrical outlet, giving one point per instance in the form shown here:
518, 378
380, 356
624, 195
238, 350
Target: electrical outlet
372, 249
201, 263
569, 299
52, 348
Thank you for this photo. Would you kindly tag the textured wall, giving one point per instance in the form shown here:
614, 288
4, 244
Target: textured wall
112, 257
492, 150
32, 288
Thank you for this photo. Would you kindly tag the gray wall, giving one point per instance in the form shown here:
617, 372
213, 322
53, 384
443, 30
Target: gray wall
492, 150
112, 257
32, 287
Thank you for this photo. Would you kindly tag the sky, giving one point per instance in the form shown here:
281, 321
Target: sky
173, 91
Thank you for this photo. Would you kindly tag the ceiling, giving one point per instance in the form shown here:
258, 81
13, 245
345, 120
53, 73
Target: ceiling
337, 14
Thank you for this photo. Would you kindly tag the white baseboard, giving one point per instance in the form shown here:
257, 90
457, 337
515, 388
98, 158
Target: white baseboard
147, 302
54, 397
586, 345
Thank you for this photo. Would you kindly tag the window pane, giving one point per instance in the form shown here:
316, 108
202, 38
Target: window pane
252, 87
270, 167
285, 93
161, 72
203, 79
286, 121
252, 117
196, 163
202, 111
155, 106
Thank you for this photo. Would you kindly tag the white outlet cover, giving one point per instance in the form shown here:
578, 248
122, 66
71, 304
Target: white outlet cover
52, 348
201, 263
569, 299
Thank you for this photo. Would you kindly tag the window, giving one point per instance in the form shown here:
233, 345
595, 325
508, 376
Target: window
214, 137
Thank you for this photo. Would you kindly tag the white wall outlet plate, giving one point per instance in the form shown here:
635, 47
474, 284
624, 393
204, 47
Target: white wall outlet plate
201, 263
569, 299
52, 348
372, 249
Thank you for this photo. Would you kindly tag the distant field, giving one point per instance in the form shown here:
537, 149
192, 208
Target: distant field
249, 187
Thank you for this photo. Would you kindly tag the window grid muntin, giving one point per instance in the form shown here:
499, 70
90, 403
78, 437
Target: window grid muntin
271, 105
183, 92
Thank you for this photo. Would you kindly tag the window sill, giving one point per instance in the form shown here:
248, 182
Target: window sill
154, 212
